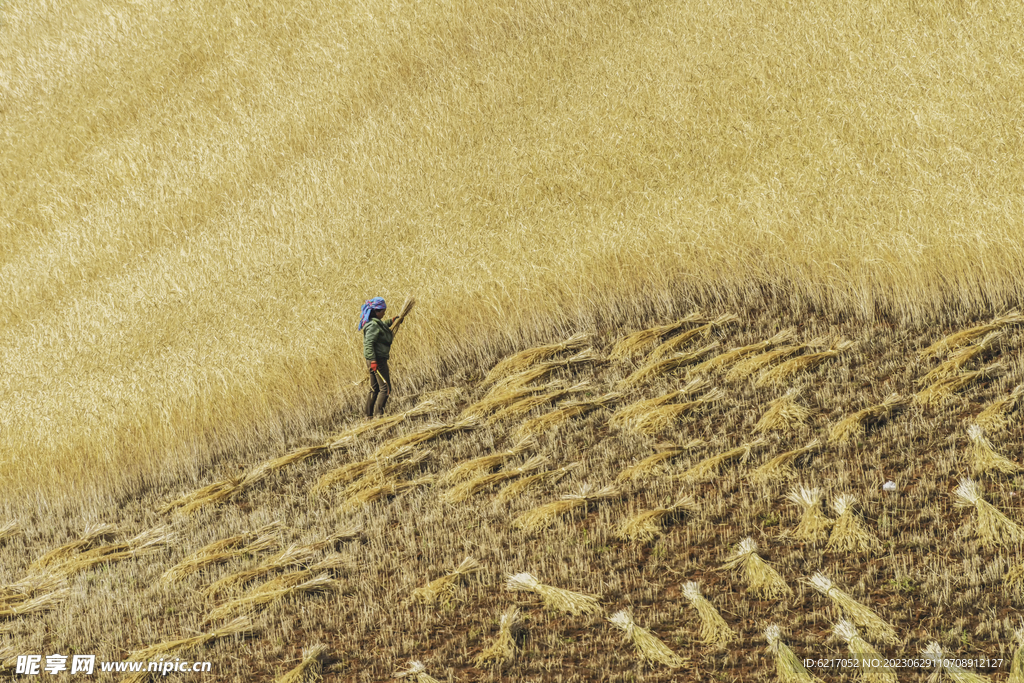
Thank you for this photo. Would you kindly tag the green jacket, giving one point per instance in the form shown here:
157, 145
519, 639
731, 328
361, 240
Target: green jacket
377, 336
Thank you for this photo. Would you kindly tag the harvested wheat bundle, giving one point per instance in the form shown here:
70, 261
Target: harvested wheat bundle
218, 490
10, 530
445, 586
1017, 663
645, 526
8, 659
291, 556
259, 472
707, 467
147, 541
10, 608
658, 368
984, 456
635, 343
417, 672
871, 663
783, 414
993, 527
471, 468
945, 667
1013, 582
236, 627
732, 355
262, 597
808, 361
558, 599
679, 341
385, 471
994, 416
402, 313
943, 390
428, 433
522, 360
848, 533
386, 490
221, 551
523, 485
964, 337
652, 464
647, 645
488, 404
749, 366
565, 413
544, 515
713, 628
309, 669
525, 405
762, 579
382, 423
781, 466
813, 525
661, 418
503, 649
466, 489
634, 410
788, 667
852, 426
955, 363
542, 371
92, 535
348, 473
874, 626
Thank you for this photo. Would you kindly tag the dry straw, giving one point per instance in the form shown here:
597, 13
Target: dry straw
783, 414
517, 488
470, 468
464, 490
754, 364
542, 371
663, 417
558, 599
309, 669
503, 648
809, 361
293, 555
645, 526
444, 587
273, 591
145, 542
874, 627
236, 627
658, 368
490, 403
11, 607
522, 360
633, 410
565, 413
92, 535
943, 390
848, 533
781, 466
525, 405
870, 662
733, 355
681, 340
378, 492
651, 466
428, 433
788, 667
224, 550
852, 426
1013, 582
382, 423
984, 457
994, 416
402, 313
417, 672
813, 525
351, 472
707, 467
762, 579
956, 362
544, 515
635, 343
964, 337
10, 530
992, 527
386, 470
713, 628
946, 667
648, 645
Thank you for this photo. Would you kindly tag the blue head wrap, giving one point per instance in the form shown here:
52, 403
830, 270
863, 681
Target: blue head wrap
374, 304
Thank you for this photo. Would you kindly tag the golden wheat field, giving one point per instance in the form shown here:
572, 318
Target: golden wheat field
714, 365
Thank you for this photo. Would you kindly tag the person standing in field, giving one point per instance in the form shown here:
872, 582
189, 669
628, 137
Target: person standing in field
377, 337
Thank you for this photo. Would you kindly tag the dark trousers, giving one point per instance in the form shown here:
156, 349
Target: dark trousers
379, 390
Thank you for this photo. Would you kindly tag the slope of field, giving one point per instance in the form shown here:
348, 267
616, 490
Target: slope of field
336, 541
195, 197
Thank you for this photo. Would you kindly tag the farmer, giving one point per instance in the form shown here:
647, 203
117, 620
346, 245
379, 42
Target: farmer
377, 336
